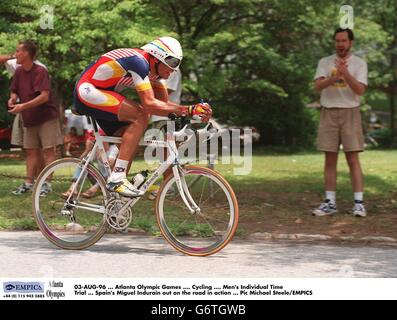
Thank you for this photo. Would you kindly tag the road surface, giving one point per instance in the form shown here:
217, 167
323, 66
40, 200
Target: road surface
29, 254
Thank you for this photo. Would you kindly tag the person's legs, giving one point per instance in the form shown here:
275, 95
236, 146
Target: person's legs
357, 181
50, 136
32, 160
30, 146
49, 155
330, 167
134, 114
40, 164
328, 141
353, 143
67, 146
356, 174
329, 205
32, 163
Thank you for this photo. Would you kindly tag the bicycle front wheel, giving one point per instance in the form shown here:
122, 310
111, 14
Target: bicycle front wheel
203, 233
70, 222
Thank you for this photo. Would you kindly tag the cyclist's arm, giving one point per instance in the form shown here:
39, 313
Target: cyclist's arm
154, 103
160, 90
160, 108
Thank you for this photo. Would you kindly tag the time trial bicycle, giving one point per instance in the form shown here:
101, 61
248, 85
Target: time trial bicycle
196, 208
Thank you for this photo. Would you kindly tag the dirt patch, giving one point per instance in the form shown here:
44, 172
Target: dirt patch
287, 213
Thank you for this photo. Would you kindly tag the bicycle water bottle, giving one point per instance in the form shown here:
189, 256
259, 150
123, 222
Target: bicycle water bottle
140, 178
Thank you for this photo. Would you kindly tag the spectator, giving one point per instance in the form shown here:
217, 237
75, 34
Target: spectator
71, 139
174, 88
10, 62
342, 79
31, 85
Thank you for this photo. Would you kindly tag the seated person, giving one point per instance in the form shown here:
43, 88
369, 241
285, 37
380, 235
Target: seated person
71, 139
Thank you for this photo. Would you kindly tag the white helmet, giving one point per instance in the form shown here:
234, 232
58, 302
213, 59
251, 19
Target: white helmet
167, 49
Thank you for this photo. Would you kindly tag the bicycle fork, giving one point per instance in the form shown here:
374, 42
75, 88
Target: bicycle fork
184, 190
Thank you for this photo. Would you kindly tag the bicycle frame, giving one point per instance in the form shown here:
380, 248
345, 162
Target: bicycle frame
172, 160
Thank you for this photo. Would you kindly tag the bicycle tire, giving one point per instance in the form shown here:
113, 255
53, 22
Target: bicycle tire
44, 210
197, 241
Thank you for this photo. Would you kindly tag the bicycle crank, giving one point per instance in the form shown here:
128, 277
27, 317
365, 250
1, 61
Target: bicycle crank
117, 219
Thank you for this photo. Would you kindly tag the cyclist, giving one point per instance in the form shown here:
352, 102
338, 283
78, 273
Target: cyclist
97, 94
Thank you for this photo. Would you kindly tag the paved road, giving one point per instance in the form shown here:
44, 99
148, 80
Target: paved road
29, 254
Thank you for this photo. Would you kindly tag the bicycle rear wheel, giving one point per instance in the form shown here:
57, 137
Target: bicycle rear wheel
70, 222
204, 233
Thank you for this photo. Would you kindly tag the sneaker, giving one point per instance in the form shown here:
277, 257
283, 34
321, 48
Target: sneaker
23, 188
325, 209
45, 189
153, 193
359, 209
124, 188
153, 190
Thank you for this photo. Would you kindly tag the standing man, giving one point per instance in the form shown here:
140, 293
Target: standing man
10, 62
31, 85
342, 79
174, 89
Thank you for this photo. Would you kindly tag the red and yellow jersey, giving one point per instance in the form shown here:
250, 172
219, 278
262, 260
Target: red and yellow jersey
116, 70
119, 69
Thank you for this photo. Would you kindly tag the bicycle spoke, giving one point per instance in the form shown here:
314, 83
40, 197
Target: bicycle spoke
70, 223
202, 192
210, 197
180, 205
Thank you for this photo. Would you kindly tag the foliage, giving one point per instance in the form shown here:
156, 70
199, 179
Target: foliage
255, 59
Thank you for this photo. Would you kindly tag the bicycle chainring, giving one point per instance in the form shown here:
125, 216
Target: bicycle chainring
118, 220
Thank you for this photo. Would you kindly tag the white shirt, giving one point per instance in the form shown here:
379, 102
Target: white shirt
79, 122
339, 94
174, 83
11, 65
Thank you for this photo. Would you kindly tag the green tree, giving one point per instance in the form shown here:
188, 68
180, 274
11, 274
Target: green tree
255, 59
83, 30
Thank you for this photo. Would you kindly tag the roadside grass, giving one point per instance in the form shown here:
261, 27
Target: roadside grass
277, 196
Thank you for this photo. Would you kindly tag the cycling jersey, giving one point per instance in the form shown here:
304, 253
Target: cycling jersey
97, 91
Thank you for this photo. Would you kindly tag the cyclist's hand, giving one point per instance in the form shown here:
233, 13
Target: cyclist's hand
201, 110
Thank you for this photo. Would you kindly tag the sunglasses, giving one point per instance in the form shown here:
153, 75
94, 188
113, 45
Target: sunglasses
172, 62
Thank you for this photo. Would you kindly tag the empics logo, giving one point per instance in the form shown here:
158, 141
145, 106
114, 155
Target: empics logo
9, 287
23, 287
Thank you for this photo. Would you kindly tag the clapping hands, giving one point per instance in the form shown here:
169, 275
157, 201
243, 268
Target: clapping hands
341, 68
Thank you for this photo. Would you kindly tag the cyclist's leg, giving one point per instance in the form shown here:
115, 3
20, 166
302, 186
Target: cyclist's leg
132, 112
114, 112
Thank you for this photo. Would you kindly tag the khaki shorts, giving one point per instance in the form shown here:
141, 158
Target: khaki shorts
44, 136
340, 126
